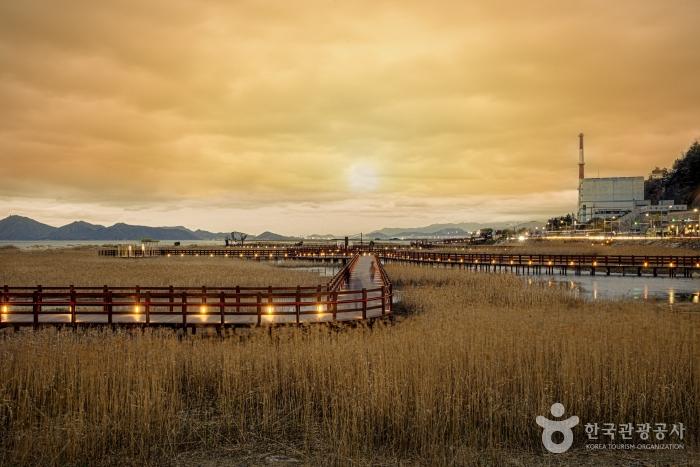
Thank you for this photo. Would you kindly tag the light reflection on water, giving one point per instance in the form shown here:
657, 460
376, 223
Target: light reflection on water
636, 288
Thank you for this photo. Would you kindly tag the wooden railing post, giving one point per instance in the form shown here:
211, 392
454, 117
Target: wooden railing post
4, 301
171, 298
383, 298
184, 310
148, 307
391, 297
238, 299
319, 306
297, 305
109, 307
259, 308
270, 303
72, 306
36, 299
364, 303
222, 307
334, 298
137, 305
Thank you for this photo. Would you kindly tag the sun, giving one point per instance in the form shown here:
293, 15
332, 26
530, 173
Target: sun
362, 178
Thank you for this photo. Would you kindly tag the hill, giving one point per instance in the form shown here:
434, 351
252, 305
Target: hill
681, 183
272, 237
26, 229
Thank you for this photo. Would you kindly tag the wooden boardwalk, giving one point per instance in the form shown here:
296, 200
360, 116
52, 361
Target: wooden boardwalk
356, 292
361, 290
536, 264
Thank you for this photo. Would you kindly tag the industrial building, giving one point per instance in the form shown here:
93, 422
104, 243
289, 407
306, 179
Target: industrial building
608, 197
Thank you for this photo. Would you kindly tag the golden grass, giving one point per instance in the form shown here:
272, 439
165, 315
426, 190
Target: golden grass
470, 366
62, 267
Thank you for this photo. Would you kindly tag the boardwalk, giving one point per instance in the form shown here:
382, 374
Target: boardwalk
360, 290
536, 264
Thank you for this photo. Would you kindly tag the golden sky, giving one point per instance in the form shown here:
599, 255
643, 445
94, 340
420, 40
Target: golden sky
325, 116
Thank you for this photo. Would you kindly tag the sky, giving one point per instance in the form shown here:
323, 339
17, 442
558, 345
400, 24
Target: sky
335, 117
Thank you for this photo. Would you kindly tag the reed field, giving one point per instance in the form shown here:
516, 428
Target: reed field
457, 378
82, 266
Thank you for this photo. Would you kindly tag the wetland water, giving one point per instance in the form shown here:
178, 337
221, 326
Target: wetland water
674, 290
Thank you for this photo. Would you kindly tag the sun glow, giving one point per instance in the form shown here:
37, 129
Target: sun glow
362, 178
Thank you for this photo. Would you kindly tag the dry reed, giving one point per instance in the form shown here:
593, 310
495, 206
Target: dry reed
62, 267
469, 367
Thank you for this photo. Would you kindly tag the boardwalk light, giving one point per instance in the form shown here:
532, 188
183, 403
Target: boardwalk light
511, 261
203, 309
269, 309
182, 254
550, 263
211, 255
571, 263
319, 308
670, 265
137, 309
529, 262
595, 263
168, 255
5, 309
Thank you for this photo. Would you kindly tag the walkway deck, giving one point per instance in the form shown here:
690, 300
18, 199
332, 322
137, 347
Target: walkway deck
360, 291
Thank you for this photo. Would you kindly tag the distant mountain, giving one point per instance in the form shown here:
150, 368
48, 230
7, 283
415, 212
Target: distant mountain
272, 237
24, 228
445, 230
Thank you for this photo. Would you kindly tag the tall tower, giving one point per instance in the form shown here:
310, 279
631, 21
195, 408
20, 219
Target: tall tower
581, 209
580, 156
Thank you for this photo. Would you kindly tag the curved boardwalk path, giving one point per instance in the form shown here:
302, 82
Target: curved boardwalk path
360, 290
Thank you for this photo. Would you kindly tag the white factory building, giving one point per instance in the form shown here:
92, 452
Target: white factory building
609, 197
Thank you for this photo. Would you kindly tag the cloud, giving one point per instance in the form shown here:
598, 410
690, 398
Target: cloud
266, 105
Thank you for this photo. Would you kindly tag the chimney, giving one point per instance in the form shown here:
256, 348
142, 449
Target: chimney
580, 157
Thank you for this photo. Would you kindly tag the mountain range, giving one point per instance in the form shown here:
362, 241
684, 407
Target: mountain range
26, 229
445, 230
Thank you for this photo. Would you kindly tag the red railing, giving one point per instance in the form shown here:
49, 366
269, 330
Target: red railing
187, 306
646, 261
343, 275
195, 306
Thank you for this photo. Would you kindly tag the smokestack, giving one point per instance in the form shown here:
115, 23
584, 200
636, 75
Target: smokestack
580, 157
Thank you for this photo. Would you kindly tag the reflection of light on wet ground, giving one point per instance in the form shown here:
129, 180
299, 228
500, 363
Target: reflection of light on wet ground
636, 288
